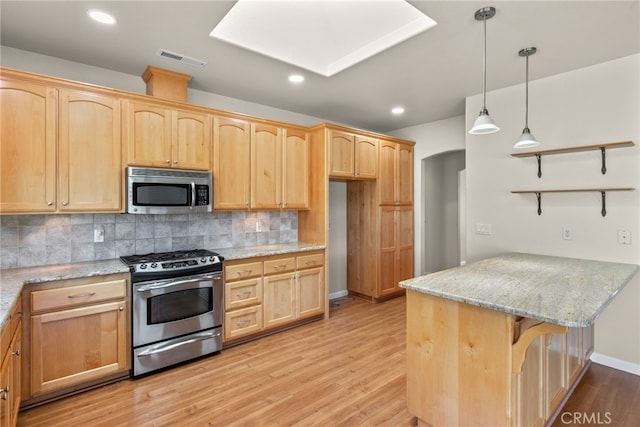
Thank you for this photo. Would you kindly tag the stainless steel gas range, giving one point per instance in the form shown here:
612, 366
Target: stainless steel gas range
177, 307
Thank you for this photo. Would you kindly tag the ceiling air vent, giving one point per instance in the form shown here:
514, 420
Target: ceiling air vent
182, 58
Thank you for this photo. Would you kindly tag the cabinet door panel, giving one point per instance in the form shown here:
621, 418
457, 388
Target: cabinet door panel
279, 300
91, 171
387, 173
404, 185
231, 164
192, 140
310, 292
366, 157
341, 154
73, 346
266, 167
295, 169
28, 147
148, 135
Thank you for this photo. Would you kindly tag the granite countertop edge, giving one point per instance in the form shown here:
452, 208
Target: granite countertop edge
13, 280
564, 291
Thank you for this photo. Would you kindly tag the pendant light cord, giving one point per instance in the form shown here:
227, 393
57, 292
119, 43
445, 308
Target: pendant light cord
526, 96
484, 65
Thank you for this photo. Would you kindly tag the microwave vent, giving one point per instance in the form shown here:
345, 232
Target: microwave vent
182, 58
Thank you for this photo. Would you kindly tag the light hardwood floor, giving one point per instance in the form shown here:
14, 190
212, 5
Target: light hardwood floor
345, 371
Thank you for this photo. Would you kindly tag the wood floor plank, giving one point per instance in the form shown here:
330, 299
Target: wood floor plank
348, 370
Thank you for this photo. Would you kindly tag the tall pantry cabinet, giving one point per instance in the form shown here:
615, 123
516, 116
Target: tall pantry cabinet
379, 207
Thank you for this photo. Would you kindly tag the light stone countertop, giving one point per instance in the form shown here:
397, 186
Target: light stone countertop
564, 291
13, 280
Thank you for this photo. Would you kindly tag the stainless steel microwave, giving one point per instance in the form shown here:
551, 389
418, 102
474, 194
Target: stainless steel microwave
168, 191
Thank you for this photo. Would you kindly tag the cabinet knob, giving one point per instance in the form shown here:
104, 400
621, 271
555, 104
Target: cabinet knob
5, 396
65, 203
49, 203
246, 204
121, 308
16, 353
167, 161
175, 162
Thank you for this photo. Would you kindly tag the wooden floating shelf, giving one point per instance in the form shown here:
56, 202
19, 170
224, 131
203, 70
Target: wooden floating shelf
602, 147
602, 191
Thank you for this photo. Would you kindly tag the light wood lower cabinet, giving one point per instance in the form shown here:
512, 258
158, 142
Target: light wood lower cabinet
476, 366
78, 334
11, 367
267, 293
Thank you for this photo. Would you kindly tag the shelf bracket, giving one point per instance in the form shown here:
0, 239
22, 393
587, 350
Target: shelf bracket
604, 161
539, 197
604, 210
539, 158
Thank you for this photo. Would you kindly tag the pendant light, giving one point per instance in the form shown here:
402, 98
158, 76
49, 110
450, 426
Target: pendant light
526, 140
484, 122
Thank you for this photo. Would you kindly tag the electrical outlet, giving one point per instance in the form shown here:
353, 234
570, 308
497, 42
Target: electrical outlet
258, 226
567, 233
98, 234
483, 229
624, 237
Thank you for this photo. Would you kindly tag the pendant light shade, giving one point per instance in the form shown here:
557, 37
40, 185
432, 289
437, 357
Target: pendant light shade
484, 123
527, 139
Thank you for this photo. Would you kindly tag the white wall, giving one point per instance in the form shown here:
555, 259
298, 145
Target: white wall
431, 139
51, 66
337, 239
593, 105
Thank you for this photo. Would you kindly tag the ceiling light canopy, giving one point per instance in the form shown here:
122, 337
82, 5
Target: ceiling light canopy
526, 140
325, 37
101, 16
484, 123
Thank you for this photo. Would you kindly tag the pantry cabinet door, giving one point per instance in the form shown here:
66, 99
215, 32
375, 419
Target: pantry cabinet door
91, 172
28, 147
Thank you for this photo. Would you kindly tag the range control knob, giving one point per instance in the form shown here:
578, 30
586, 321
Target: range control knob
203, 260
154, 265
143, 266
213, 258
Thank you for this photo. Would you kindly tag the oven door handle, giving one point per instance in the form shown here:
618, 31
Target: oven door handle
169, 283
160, 348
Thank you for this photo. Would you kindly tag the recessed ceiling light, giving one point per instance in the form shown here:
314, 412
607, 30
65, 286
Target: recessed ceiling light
101, 16
397, 110
296, 78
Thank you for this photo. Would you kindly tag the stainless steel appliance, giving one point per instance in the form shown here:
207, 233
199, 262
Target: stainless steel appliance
167, 191
177, 307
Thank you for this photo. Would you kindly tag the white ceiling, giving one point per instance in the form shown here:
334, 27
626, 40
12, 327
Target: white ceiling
429, 74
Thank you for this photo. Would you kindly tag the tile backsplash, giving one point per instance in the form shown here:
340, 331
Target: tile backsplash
28, 240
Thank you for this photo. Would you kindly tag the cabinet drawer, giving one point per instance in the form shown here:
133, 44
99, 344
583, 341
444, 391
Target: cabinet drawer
242, 271
74, 295
242, 322
279, 265
242, 293
309, 261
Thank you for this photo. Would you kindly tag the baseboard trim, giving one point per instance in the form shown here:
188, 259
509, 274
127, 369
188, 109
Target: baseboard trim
338, 294
612, 362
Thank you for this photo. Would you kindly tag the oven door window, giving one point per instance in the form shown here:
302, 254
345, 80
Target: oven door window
179, 305
149, 194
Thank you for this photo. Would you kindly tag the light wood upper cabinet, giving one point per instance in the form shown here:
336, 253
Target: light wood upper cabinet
61, 149
90, 167
266, 166
159, 136
395, 180
295, 169
279, 167
231, 164
352, 156
28, 146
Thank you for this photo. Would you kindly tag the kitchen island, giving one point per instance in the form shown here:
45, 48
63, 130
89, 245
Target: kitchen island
503, 341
